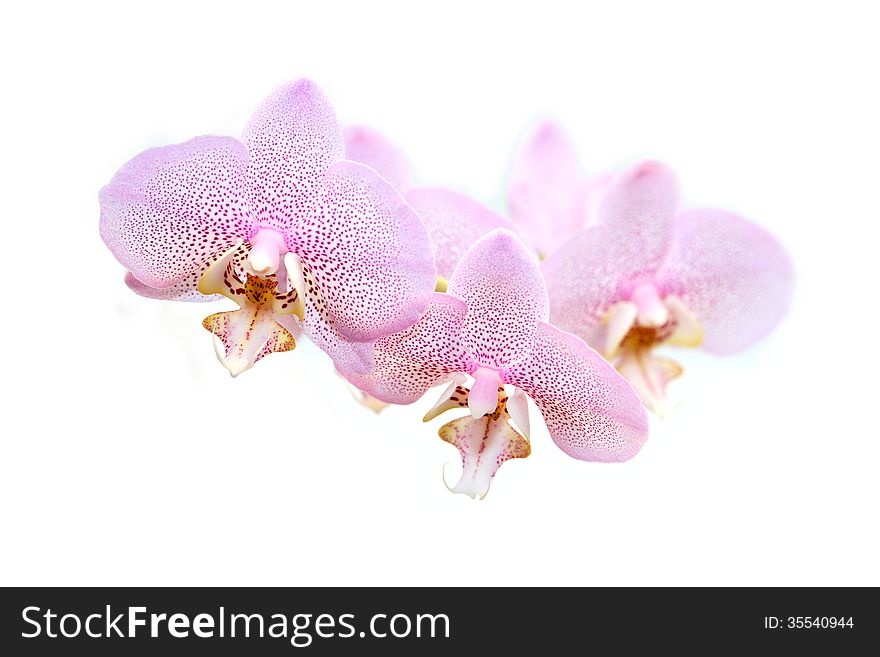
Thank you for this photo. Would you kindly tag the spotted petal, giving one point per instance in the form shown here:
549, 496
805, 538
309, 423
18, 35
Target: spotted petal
640, 206
454, 223
347, 355
544, 194
370, 147
734, 276
170, 210
499, 280
424, 355
292, 139
185, 290
591, 412
366, 257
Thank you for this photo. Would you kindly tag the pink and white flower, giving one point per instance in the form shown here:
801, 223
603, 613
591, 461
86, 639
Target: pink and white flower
492, 325
649, 274
282, 224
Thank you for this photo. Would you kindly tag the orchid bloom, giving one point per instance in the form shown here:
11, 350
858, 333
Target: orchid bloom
491, 325
548, 198
301, 239
649, 275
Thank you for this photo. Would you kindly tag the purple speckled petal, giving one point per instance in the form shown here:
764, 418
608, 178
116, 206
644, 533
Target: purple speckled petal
428, 353
454, 223
370, 147
367, 255
347, 356
292, 139
170, 210
500, 281
584, 281
592, 413
734, 276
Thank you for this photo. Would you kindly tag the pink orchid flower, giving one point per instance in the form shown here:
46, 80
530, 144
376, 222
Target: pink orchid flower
301, 239
649, 275
491, 325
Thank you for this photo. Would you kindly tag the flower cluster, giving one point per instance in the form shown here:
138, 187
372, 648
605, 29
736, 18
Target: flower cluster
318, 231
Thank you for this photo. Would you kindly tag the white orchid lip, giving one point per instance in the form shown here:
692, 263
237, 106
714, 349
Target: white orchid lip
484, 443
267, 249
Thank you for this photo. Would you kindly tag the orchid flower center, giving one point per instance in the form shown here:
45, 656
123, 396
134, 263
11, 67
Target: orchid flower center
630, 332
253, 331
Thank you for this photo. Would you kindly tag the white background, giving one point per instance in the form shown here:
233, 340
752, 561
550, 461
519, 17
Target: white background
129, 456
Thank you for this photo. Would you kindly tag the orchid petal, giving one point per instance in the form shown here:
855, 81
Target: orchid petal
640, 206
347, 355
370, 147
453, 221
169, 211
484, 444
734, 276
545, 189
592, 413
584, 282
292, 139
367, 254
247, 336
185, 290
422, 356
501, 283
592, 193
